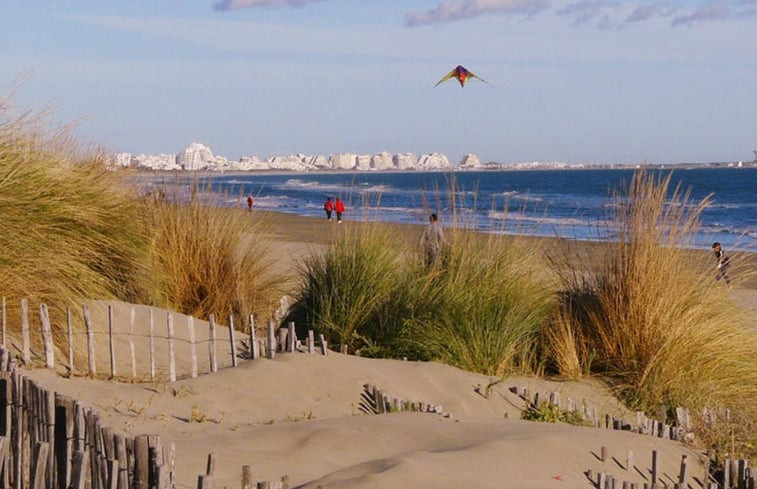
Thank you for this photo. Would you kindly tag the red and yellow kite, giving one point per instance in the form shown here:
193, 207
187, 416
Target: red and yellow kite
462, 75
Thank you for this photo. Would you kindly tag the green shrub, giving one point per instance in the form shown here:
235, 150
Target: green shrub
551, 413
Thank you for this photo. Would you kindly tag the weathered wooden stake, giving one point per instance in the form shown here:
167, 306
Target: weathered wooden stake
90, 342
25, 332
39, 464
4, 321
233, 342
683, 474
131, 345
111, 342
212, 342
152, 345
47, 336
79, 470
603, 454
654, 467
629, 460
205, 482
271, 341
292, 335
210, 468
254, 353
324, 345
246, 477
311, 341
112, 478
192, 347
70, 327
171, 355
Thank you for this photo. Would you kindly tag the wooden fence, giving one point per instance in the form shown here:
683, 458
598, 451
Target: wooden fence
235, 346
50, 441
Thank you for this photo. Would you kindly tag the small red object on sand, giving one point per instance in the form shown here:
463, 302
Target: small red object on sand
557, 477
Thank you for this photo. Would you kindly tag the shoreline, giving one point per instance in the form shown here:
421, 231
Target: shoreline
309, 230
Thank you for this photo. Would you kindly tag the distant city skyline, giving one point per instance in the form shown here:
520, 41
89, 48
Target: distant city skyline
576, 81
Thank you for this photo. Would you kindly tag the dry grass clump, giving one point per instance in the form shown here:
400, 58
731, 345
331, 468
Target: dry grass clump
71, 228
208, 258
650, 317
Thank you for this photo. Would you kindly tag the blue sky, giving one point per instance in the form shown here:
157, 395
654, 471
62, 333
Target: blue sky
589, 81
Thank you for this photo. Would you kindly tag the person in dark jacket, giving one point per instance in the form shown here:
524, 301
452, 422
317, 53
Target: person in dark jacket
432, 240
723, 263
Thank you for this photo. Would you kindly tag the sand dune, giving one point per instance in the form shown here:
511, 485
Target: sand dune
300, 414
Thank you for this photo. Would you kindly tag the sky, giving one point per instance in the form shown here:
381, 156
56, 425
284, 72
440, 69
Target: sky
580, 81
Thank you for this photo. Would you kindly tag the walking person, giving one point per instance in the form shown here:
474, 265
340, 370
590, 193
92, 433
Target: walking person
328, 207
432, 241
723, 263
339, 208
249, 203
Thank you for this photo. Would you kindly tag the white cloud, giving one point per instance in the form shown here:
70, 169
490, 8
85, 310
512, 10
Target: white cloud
450, 11
604, 13
223, 5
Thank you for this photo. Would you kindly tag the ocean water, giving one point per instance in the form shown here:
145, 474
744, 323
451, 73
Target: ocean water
573, 204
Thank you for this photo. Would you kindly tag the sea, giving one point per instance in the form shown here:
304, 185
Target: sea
573, 204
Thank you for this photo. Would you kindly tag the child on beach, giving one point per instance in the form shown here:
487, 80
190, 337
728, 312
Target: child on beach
328, 207
723, 263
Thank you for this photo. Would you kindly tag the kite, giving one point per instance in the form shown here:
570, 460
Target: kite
462, 75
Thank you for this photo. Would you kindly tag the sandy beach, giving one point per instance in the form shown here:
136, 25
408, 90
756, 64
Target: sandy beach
300, 414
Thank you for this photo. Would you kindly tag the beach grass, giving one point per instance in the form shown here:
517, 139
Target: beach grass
208, 258
650, 318
481, 308
71, 228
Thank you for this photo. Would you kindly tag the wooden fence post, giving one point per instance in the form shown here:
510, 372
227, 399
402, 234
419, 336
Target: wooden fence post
654, 467
292, 345
171, 356
311, 341
90, 342
254, 353
152, 345
25, 331
132, 318
79, 470
4, 321
70, 342
324, 345
271, 341
683, 475
39, 464
111, 344
47, 336
232, 341
212, 342
192, 347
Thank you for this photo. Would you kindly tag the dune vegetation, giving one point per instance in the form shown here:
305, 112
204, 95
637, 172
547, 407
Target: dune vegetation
480, 309
650, 318
645, 314
211, 259
75, 229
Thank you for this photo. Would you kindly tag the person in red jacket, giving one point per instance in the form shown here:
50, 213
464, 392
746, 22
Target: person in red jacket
249, 203
328, 207
339, 208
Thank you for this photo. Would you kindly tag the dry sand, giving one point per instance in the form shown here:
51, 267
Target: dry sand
300, 414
